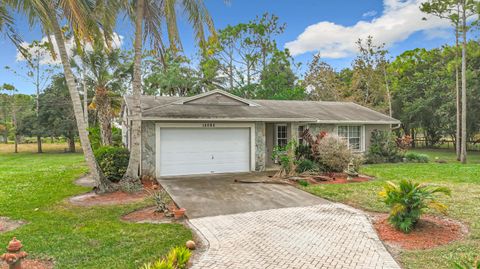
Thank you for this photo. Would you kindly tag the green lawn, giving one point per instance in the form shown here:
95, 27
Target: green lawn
34, 188
464, 205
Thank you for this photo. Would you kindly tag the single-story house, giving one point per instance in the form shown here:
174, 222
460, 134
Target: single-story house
217, 132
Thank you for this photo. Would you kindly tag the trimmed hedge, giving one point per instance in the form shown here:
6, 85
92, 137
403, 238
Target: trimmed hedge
417, 157
113, 161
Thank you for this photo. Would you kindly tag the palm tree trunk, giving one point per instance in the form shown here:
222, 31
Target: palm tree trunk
104, 115
85, 99
463, 157
102, 184
132, 173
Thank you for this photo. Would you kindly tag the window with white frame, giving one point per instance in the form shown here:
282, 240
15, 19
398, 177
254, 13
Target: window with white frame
301, 129
281, 135
352, 136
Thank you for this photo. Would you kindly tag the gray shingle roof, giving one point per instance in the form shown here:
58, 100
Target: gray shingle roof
171, 108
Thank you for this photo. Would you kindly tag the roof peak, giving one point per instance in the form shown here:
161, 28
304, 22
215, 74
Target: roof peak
217, 91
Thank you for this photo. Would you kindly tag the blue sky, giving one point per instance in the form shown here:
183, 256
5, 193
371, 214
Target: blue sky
325, 26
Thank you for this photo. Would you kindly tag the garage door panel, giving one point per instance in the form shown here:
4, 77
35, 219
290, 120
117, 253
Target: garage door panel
186, 151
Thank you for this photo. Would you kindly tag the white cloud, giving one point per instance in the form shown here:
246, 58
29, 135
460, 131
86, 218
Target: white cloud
371, 13
45, 55
399, 20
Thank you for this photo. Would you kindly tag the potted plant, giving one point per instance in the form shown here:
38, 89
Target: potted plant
179, 213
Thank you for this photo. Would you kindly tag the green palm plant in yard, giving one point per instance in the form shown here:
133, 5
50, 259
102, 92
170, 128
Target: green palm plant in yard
409, 200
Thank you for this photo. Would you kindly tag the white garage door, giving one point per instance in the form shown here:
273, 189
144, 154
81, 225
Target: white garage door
187, 151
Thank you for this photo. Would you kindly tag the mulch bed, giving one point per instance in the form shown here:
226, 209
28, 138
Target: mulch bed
7, 224
430, 232
113, 198
32, 264
149, 215
116, 198
331, 178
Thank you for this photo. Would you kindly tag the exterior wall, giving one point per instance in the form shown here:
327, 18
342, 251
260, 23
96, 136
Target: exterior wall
264, 142
370, 128
148, 148
269, 137
260, 146
331, 128
317, 128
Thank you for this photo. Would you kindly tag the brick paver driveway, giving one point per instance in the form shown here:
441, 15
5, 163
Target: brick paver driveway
327, 235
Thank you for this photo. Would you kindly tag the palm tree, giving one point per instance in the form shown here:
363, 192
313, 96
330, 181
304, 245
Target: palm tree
102, 71
7, 28
148, 16
78, 16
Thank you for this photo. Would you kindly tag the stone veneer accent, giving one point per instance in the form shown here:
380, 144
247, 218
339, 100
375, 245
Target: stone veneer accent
148, 148
260, 146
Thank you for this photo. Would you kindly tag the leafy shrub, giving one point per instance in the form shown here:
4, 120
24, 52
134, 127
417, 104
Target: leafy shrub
417, 157
306, 165
303, 152
383, 148
330, 153
358, 161
408, 200
113, 161
96, 140
286, 157
303, 183
177, 258
334, 155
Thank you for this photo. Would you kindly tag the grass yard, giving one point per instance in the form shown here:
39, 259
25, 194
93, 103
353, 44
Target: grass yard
34, 188
464, 205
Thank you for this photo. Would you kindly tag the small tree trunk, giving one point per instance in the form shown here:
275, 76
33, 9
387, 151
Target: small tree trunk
71, 144
230, 70
14, 118
16, 143
463, 157
389, 97
39, 144
102, 184
458, 135
132, 173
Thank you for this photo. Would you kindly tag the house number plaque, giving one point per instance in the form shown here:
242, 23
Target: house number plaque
208, 125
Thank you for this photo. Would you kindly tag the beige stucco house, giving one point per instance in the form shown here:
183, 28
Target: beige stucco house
217, 132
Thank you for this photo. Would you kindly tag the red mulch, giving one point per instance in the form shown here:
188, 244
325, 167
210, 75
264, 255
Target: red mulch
429, 232
150, 183
114, 198
149, 215
32, 264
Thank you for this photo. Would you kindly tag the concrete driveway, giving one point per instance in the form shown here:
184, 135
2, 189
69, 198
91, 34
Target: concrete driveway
213, 195
249, 225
